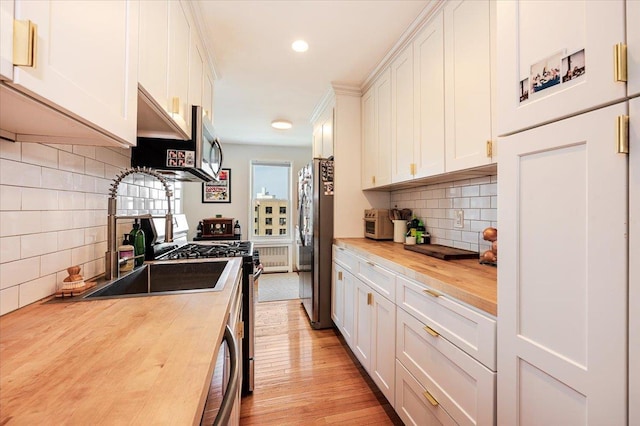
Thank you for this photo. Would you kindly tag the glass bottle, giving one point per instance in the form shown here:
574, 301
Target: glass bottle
136, 236
236, 230
125, 251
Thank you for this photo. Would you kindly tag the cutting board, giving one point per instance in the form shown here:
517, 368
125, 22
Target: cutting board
442, 252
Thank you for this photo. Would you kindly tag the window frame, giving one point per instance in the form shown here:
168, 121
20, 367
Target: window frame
292, 194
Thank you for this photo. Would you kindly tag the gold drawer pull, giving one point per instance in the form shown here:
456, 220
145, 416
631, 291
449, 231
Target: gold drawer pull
431, 399
371, 263
339, 275
431, 331
432, 293
369, 298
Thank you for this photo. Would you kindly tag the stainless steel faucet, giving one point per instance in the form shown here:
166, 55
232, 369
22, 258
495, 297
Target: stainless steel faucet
111, 256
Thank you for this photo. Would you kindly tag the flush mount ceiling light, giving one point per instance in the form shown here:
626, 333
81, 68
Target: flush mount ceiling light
281, 124
300, 46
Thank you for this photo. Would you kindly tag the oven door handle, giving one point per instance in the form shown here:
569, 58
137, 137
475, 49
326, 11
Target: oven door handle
231, 394
257, 274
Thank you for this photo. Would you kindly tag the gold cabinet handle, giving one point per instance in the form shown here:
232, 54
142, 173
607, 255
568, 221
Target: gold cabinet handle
25, 36
489, 149
339, 275
620, 62
373, 180
369, 298
431, 399
371, 263
622, 134
175, 105
432, 293
431, 331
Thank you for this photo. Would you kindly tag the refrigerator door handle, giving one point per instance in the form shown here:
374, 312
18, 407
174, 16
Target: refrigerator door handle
300, 219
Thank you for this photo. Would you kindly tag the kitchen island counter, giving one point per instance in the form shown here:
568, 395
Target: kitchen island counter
465, 279
135, 360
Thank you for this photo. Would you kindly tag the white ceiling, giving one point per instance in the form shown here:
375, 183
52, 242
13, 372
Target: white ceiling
260, 78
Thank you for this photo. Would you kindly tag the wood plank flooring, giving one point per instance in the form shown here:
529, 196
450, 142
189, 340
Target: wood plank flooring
306, 376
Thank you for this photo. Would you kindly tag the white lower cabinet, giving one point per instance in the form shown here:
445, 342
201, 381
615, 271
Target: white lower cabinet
383, 329
412, 404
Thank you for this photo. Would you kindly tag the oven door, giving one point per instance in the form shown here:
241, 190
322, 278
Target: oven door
370, 226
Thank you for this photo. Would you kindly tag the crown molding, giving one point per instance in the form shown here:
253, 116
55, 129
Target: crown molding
196, 14
346, 89
328, 99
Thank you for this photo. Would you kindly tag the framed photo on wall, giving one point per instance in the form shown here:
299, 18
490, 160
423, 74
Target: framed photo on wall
218, 191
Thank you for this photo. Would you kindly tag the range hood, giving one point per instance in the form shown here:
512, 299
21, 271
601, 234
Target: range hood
198, 159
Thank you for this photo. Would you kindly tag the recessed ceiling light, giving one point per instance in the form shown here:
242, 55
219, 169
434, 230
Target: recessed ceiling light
300, 46
281, 124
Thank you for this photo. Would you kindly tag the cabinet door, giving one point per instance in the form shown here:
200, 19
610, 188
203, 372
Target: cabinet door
383, 128
337, 295
562, 281
196, 73
6, 40
369, 139
428, 64
634, 267
543, 41
207, 94
327, 136
362, 320
86, 61
154, 53
383, 356
317, 141
633, 46
402, 117
349, 318
178, 75
468, 57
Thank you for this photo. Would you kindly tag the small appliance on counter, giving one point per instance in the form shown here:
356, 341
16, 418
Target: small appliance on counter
218, 228
377, 224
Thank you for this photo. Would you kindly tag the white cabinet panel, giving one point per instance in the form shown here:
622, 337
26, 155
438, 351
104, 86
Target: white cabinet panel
428, 86
362, 321
562, 281
369, 139
633, 46
196, 73
460, 384
470, 331
411, 404
349, 316
383, 354
207, 94
468, 59
337, 295
6, 40
346, 259
634, 266
86, 61
178, 75
383, 128
402, 117
153, 54
378, 278
535, 49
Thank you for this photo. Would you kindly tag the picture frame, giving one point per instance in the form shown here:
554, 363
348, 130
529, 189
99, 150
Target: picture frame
218, 191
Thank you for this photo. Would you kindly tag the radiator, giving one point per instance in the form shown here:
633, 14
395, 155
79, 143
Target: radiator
275, 258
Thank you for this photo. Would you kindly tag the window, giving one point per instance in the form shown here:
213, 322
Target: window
271, 199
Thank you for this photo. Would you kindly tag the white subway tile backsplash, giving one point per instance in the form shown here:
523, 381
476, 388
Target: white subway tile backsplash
96, 201
19, 223
113, 158
71, 162
84, 183
55, 262
20, 174
95, 234
57, 179
37, 289
9, 299
9, 249
10, 197
437, 205
10, 150
39, 199
40, 155
62, 147
56, 221
94, 167
70, 238
68, 200
83, 254
37, 244
87, 151
19, 271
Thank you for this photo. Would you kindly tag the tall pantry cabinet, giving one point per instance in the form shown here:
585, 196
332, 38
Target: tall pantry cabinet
564, 338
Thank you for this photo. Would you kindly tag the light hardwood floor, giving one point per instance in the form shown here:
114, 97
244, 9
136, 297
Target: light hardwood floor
306, 376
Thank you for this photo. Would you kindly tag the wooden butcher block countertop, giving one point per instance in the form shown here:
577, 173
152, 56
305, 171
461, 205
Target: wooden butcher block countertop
465, 279
137, 360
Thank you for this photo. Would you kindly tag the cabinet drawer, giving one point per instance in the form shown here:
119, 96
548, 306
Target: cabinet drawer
378, 278
469, 330
346, 259
464, 387
412, 405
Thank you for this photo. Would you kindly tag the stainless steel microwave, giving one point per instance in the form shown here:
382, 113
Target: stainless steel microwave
198, 159
377, 224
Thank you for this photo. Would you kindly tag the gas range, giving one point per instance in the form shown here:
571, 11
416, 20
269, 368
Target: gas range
211, 249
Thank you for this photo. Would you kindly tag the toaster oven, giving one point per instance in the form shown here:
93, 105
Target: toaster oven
377, 224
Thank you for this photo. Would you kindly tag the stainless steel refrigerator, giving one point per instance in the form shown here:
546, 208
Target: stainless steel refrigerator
314, 240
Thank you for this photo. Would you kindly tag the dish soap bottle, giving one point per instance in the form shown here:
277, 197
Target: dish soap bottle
420, 231
136, 237
125, 251
236, 230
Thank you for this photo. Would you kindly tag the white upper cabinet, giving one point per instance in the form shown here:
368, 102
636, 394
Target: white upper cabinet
567, 69
402, 164
6, 40
85, 71
178, 75
196, 74
428, 64
153, 54
468, 56
376, 133
207, 94
323, 134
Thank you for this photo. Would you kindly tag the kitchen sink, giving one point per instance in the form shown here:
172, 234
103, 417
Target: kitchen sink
166, 278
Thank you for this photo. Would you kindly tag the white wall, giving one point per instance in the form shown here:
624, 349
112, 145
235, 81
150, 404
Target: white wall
238, 158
